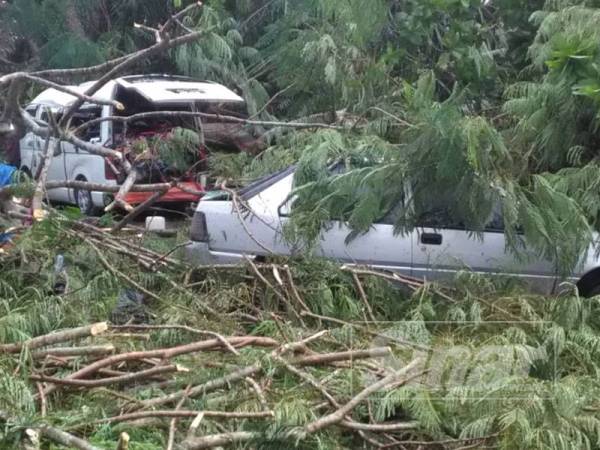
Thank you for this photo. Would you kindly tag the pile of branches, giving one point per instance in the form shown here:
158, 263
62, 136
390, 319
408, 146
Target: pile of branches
84, 359
289, 353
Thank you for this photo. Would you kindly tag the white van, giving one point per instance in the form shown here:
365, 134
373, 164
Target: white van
138, 93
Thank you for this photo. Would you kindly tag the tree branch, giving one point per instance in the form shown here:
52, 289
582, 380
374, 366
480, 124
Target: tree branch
223, 118
56, 337
121, 379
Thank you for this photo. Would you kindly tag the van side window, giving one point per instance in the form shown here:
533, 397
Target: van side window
83, 116
46, 117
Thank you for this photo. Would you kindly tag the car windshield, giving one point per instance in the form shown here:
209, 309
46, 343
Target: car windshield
263, 183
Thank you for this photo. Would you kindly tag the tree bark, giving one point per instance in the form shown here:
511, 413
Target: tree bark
56, 337
66, 439
217, 440
92, 350
111, 380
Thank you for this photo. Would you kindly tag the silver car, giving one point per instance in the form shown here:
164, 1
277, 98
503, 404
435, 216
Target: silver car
224, 232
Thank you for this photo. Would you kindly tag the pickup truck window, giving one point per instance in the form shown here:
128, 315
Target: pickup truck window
439, 218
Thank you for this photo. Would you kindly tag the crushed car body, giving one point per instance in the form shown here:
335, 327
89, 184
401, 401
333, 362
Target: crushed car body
161, 148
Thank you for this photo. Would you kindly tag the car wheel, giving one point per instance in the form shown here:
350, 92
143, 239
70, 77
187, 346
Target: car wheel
83, 199
595, 290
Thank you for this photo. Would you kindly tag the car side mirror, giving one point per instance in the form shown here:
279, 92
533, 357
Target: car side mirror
285, 208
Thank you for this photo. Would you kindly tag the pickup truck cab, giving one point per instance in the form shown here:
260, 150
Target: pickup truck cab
138, 94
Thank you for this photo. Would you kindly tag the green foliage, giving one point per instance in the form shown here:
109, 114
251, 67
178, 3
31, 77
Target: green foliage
179, 149
472, 106
552, 407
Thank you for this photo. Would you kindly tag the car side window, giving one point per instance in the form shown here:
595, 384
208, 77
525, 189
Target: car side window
83, 116
438, 217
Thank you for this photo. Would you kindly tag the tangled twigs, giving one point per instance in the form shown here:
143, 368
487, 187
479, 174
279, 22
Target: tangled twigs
143, 374
168, 353
181, 413
337, 416
244, 372
121, 275
193, 443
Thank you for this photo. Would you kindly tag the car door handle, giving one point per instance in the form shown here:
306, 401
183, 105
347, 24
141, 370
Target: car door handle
431, 238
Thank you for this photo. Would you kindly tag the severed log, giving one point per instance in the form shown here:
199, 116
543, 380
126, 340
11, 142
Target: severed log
66, 439
123, 443
30, 440
173, 423
92, 350
218, 440
87, 186
50, 148
379, 427
120, 379
56, 337
123, 191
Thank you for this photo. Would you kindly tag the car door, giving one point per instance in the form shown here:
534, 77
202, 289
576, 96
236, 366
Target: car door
28, 144
379, 247
56, 171
78, 163
442, 248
